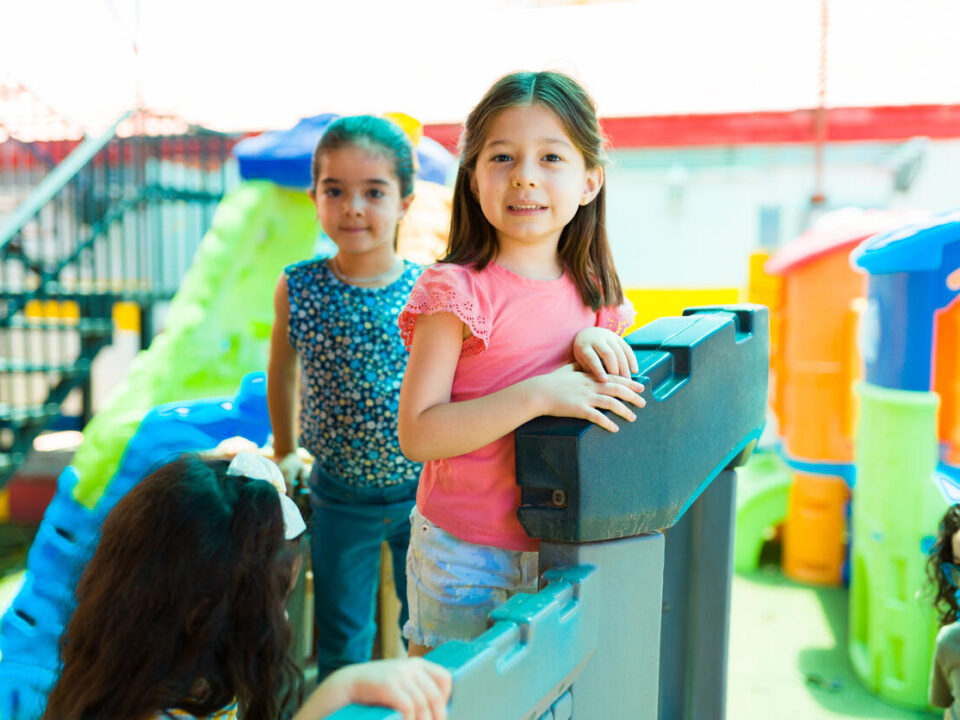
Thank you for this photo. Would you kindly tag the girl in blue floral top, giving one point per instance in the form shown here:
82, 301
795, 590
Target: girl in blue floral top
336, 341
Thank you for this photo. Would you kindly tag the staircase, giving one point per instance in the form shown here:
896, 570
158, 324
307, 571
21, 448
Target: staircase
116, 220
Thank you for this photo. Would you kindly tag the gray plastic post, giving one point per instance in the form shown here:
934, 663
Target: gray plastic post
696, 606
622, 678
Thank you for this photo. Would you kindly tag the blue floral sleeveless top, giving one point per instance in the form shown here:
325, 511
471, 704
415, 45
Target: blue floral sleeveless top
352, 360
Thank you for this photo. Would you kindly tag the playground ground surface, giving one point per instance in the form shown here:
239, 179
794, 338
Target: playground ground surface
787, 653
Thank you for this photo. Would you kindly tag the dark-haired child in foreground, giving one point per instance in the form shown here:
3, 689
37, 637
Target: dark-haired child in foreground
181, 610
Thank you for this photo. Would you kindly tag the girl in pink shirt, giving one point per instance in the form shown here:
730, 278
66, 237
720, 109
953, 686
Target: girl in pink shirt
521, 318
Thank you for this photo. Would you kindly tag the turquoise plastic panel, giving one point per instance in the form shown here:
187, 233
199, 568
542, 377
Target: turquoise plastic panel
525, 663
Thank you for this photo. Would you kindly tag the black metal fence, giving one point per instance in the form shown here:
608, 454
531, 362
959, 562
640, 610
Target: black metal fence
85, 225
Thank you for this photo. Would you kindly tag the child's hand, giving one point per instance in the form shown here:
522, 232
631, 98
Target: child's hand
573, 393
417, 688
596, 348
294, 471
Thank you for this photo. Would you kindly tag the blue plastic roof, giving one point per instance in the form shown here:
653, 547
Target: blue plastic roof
284, 156
912, 248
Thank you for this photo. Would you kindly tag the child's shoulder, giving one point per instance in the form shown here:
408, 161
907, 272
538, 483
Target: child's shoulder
444, 268
452, 272
312, 276
310, 265
949, 634
462, 280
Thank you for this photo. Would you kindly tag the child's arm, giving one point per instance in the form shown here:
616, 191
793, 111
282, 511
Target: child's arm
282, 377
417, 688
431, 427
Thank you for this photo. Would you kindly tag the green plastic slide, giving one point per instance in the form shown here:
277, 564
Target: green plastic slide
218, 326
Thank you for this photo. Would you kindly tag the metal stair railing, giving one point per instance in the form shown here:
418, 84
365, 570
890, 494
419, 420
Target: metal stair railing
117, 221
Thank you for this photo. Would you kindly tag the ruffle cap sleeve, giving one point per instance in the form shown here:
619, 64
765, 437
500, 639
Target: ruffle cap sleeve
617, 319
448, 288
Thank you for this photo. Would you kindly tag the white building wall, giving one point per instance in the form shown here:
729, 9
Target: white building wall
690, 217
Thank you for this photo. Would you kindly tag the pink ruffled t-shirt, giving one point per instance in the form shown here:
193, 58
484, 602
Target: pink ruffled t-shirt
520, 328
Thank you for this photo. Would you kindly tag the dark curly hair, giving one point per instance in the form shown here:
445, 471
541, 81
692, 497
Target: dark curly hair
945, 601
183, 603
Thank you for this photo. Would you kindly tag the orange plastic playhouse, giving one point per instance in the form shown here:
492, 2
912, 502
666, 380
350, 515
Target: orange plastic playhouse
815, 362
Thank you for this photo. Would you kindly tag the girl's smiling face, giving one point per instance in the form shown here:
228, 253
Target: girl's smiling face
358, 201
530, 178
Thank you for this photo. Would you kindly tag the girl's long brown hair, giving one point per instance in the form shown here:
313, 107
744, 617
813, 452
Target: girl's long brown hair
583, 245
183, 603
945, 601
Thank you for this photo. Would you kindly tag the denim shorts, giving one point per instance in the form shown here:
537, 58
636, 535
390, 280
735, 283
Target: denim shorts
452, 584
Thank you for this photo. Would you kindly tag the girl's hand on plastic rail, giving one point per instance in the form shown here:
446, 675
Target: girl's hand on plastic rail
596, 349
570, 392
417, 688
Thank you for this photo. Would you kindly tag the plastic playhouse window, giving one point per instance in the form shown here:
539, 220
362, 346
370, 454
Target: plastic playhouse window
953, 280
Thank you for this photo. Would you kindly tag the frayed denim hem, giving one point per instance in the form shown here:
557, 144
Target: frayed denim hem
412, 633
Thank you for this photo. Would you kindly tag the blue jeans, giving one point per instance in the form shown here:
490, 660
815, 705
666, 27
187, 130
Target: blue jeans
345, 541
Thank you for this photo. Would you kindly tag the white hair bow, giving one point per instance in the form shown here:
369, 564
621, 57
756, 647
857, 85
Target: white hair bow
257, 467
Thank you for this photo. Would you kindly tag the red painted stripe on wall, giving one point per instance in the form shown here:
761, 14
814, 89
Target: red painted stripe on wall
797, 126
